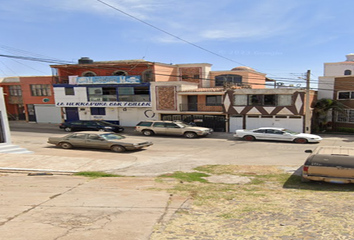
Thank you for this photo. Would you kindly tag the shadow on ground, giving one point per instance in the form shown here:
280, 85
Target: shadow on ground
294, 182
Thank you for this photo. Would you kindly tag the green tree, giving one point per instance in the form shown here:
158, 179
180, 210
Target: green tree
321, 111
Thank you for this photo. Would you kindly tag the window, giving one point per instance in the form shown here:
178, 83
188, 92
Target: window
126, 94
145, 124
255, 100
269, 100
159, 124
109, 94
98, 111
196, 76
15, 90
213, 100
345, 95
40, 90
266, 100
120, 73
88, 74
69, 91
147, 76
347, 72
171, 125
346, 116
185, 77
221, 80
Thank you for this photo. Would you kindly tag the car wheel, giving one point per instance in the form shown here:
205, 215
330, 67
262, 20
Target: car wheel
190, 135
67, 129
148, 132
300, 140
66, 145
117, 148
249, 138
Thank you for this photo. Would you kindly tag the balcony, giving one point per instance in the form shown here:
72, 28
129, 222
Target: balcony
15, 100
195, 107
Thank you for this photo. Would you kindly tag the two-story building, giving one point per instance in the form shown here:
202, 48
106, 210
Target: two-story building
254, 108
198, 97
5, 137
30, 98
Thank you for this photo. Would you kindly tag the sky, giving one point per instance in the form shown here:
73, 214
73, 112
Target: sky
281, 38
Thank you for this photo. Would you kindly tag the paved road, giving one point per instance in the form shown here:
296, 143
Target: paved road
66, 207
168, 154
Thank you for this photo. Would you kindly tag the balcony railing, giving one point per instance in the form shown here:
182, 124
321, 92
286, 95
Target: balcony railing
195, 107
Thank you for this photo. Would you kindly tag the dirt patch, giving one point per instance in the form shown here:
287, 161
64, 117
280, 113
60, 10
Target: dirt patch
228, 179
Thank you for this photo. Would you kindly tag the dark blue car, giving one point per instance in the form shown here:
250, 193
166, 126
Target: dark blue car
94, 125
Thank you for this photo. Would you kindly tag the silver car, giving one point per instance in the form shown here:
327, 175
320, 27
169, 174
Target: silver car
99, 140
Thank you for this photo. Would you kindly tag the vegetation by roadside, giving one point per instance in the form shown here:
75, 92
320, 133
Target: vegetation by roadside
96, 174
273, 205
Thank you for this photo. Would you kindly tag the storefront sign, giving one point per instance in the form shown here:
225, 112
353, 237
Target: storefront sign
103, 104
108, 80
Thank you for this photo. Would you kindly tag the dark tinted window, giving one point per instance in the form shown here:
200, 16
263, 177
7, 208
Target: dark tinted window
159, 124
76, 123
146, 124
171, 125
259, 131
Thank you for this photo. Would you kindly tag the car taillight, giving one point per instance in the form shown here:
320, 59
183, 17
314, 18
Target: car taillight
305, 169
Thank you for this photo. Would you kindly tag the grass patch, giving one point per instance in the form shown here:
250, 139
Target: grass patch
96, 174
187, 177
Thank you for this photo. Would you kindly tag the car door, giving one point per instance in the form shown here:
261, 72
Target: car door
159, 128
259, 133
77, 139
90, 126
95, 141
173, 129
277, 135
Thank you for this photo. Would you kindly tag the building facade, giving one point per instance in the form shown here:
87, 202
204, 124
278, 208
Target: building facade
30, 99
254, 108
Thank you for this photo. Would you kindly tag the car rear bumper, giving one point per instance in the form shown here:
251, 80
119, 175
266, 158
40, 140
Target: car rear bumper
328, 179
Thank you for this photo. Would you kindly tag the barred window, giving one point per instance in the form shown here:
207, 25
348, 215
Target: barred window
40, 90
346, 116
15, 90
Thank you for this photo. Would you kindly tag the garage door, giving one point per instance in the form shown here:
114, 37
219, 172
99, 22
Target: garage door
294, 123
47, 113
236, 122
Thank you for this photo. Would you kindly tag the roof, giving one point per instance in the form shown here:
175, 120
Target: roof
275, 128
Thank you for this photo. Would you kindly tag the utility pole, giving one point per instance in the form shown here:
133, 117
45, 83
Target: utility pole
307, 104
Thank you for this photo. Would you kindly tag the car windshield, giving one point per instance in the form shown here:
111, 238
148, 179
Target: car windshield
111, 136
289, 131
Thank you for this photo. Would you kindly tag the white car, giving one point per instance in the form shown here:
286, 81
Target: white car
278, 134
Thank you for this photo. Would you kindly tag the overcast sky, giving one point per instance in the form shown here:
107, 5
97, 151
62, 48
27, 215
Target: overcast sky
282, 38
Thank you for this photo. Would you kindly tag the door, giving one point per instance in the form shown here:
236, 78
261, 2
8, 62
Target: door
159, 128
71, 114
47, 113
173, 129
192, 103
95, 141
31, 113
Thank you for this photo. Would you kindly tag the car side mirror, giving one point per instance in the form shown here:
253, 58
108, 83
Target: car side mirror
308, 151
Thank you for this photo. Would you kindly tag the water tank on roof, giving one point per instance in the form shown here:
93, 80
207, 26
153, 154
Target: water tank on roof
350, 57
85, 60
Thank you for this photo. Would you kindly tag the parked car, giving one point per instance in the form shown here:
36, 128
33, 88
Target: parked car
149, 128
278, 134
329, 164
99, 140
87, 125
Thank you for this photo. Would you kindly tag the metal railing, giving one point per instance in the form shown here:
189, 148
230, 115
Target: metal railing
195, 107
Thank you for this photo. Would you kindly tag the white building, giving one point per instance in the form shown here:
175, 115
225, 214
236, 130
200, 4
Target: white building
331, 71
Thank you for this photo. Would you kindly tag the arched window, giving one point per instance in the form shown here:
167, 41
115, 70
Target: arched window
88, 74
147, 76
228, 78
347, 72
120, 73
